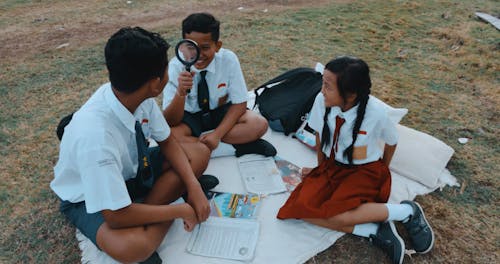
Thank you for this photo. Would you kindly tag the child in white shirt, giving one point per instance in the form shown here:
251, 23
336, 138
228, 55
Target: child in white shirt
349, 189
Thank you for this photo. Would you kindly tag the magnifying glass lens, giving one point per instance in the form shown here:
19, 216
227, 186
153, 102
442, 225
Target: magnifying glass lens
187, 52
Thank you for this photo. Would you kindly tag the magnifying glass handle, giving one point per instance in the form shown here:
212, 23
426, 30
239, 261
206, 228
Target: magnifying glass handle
188, 69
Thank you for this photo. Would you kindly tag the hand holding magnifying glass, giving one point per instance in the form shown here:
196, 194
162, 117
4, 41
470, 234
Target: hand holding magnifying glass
187, 52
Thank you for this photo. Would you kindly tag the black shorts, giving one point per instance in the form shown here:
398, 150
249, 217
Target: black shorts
200, 122
87, 223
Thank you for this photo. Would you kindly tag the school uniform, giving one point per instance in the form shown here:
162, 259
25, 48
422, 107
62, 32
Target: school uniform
335, 186
98, 154
226, 86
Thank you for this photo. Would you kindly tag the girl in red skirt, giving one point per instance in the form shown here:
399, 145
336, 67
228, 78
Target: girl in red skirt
348, 191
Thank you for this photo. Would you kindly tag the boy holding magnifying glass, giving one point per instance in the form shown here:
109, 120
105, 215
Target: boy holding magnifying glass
213, 95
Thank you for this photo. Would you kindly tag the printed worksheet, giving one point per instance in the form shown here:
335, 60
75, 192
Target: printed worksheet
260, 174
222, 237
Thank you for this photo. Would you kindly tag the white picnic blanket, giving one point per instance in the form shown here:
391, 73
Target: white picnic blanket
290, 241
294, 241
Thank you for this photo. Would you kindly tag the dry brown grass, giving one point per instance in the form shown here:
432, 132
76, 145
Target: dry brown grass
433, 57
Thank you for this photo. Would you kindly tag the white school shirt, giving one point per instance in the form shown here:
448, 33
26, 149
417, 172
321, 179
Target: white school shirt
224, 78
98, 151
376, 126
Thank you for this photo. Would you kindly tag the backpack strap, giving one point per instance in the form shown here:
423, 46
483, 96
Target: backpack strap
62, 124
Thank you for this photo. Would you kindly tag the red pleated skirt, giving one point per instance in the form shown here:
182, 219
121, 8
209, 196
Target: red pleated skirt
332, 188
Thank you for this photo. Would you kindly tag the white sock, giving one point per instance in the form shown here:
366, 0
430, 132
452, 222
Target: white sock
365, 230
399, 212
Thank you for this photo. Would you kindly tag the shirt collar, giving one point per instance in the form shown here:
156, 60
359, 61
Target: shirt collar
125, 117
350, 115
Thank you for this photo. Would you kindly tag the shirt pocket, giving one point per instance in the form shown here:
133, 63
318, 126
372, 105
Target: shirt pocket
360, 149
360, 152
222, 93
223, 100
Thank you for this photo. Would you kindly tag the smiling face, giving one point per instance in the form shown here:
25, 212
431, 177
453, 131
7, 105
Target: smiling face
330, 91
208, 48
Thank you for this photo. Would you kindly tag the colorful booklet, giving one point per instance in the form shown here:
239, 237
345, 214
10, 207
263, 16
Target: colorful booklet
290, 173
234, 205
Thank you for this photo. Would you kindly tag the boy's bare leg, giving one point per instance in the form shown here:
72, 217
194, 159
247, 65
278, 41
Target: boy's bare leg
198, 155
183, 134
249, 127
134, 244
138, 243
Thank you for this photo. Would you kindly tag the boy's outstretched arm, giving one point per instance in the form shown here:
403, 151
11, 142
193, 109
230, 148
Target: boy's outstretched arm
232, 116
175, 155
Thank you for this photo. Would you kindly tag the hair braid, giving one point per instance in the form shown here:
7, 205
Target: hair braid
357, 125
325, 133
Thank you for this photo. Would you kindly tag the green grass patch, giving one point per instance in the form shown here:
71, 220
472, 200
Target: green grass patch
432, 57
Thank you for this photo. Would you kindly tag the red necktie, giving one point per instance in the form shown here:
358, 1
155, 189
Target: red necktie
339, 121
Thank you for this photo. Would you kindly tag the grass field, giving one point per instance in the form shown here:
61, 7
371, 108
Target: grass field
433, 57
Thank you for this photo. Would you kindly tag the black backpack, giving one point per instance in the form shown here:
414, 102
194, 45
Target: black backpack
288, 98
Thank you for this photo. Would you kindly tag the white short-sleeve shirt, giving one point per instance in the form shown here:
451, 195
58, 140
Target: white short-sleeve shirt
376, 126
224, 78
98, 151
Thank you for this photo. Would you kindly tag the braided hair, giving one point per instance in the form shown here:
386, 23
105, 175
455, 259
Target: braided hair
353, 77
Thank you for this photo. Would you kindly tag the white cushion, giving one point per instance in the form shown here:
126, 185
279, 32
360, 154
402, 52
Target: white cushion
395, 114
420, 157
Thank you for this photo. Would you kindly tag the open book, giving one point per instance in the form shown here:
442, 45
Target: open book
222, 237
260, 174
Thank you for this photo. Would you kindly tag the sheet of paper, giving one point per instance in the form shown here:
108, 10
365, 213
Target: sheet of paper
228, 238
260, 174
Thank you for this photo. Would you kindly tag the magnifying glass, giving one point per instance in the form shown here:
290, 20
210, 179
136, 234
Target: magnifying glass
187, 52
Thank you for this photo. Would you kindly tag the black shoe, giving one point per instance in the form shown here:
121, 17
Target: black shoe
259, 146
421, 234
388, 239
207, 182
153, 259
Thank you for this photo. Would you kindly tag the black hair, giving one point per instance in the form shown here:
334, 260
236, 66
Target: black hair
353, 77
201, 22
135, 56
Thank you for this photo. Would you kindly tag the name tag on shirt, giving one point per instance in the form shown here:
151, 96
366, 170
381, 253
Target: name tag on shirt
359, 152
